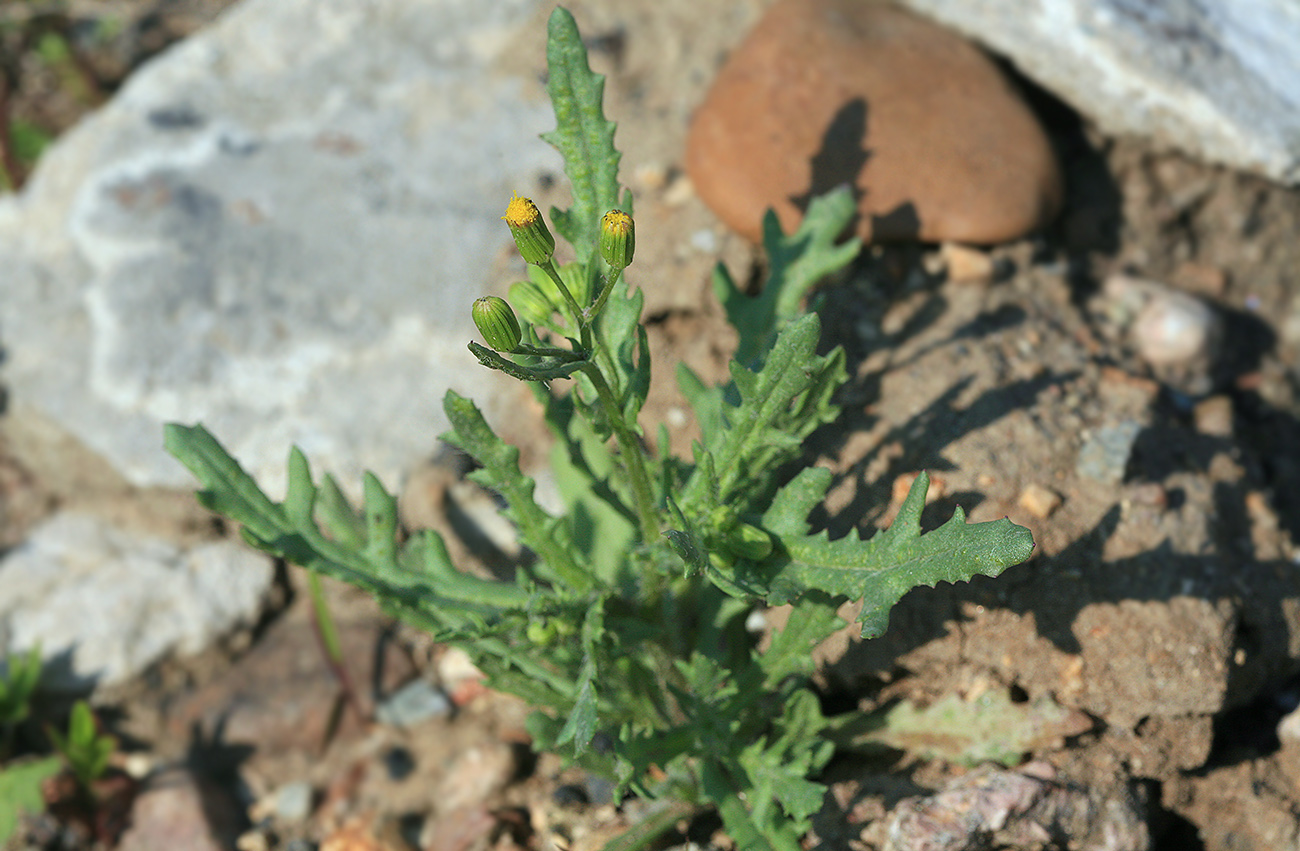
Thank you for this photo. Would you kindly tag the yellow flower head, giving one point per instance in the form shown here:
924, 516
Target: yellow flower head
536, 245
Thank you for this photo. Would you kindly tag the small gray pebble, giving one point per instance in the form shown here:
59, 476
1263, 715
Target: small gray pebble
293, 802
414, 702
1105, 454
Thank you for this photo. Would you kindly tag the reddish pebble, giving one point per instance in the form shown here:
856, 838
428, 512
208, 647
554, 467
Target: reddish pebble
936, 141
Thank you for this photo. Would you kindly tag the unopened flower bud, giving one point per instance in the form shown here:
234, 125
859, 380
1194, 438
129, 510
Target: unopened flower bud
617, 239
532, 303
536, 245
749, 542
497, 323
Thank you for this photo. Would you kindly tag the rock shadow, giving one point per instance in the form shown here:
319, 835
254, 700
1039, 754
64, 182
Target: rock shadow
1091, 216
217, 764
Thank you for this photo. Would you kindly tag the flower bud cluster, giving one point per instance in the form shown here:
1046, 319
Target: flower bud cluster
495, 318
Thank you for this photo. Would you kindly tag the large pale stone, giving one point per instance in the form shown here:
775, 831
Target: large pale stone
1216, 78
277, 228
104, 603
825, 92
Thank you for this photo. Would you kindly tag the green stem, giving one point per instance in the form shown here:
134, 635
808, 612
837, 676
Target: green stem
645, 833
579, 321
596, 308
603, 355
541, 372
328, 635
566, 355
592, 313
633, 458
529, 666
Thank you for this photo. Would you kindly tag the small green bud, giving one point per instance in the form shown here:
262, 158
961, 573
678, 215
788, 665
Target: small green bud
738, 537
540, 632
497, 323
574, 276
617, 239
532, 302
749, 542
536, 245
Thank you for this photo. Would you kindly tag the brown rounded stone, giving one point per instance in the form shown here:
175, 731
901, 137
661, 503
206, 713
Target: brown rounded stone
934, 138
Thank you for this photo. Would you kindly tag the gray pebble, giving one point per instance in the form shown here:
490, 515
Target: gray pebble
293, 802
413, 703
1105, 453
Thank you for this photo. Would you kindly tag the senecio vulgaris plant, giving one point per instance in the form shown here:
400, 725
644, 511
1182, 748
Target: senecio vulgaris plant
627, 628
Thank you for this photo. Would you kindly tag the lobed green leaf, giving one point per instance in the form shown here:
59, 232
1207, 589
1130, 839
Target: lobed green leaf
288, 530
796, 264
881, 570
551, 538
779, 407
20, 791
583, 136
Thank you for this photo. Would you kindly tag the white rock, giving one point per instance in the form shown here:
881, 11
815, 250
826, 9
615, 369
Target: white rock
1176, 329
1177, 334
1219, 79
276, 228
103, 603
454, 668
293, 801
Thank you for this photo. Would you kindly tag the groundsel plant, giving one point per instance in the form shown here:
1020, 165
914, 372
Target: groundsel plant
626, 626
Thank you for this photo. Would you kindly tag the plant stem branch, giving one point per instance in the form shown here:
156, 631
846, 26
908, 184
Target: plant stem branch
579, 320
596, 308
633, 459
328, 636
566, 355
10, 169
